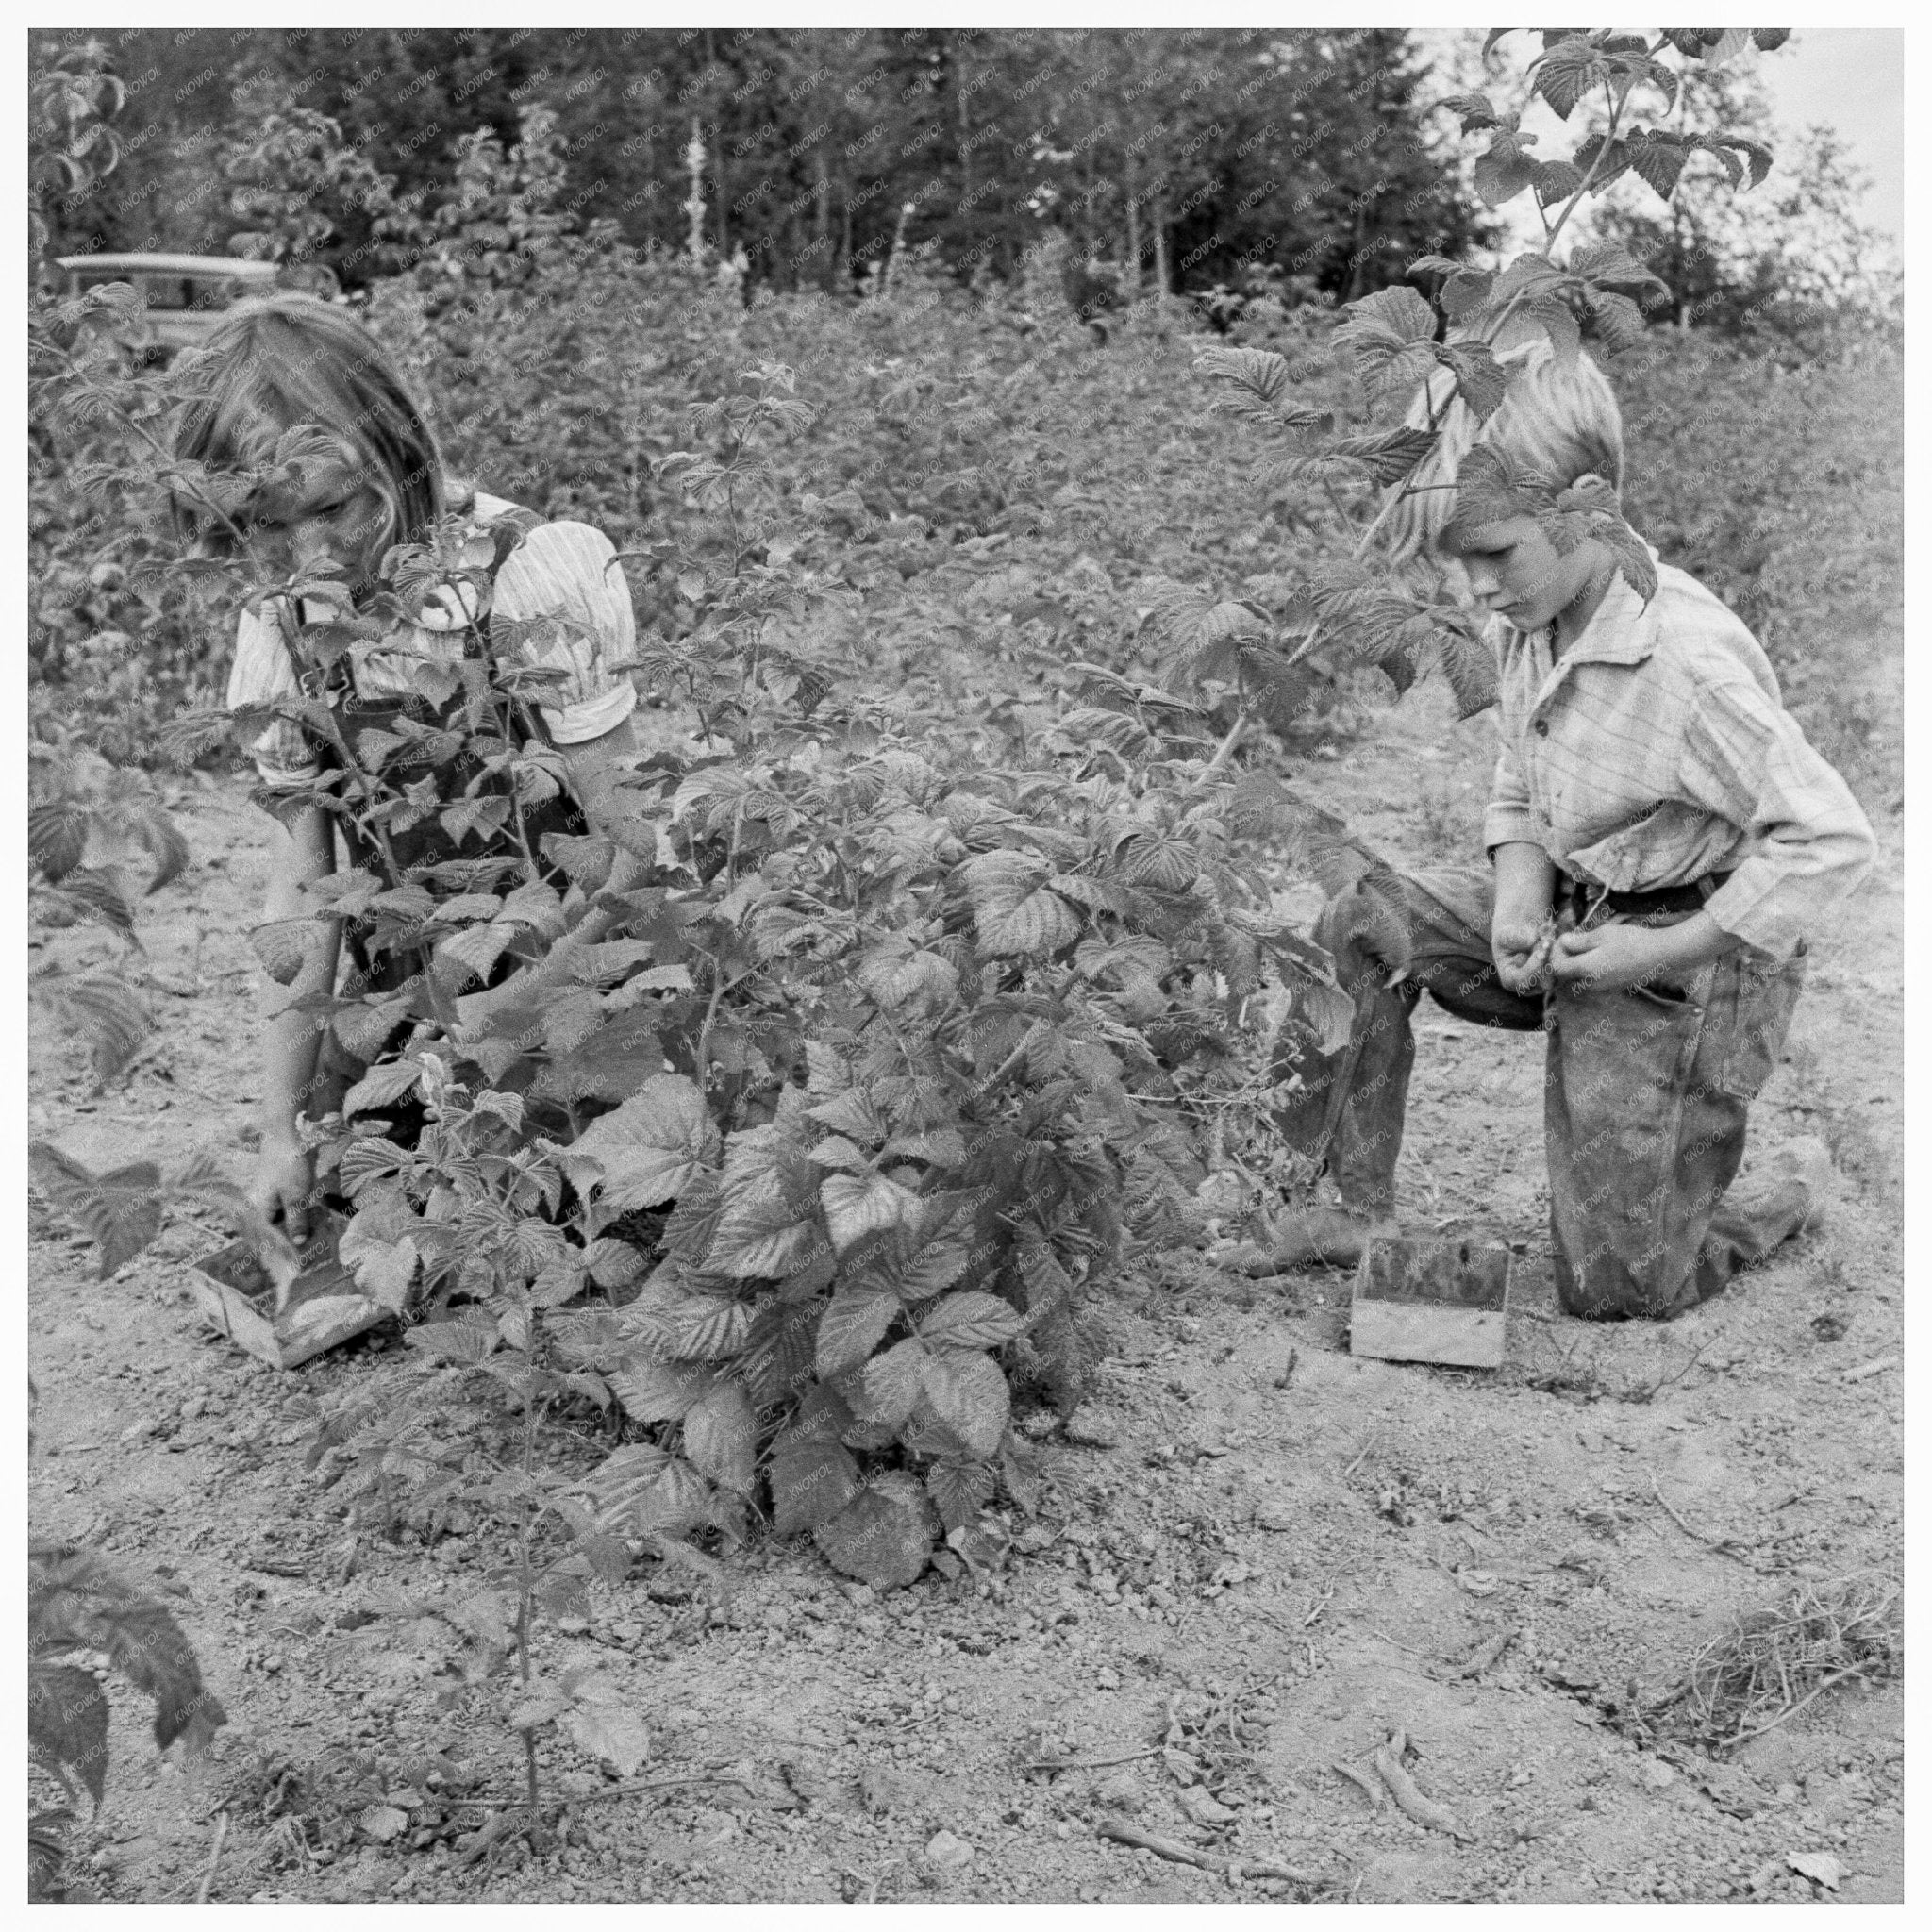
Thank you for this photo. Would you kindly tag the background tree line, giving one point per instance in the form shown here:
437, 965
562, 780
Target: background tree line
1178, 159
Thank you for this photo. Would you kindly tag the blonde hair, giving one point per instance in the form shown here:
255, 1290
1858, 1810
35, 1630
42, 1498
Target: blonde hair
289, 361
1558, 419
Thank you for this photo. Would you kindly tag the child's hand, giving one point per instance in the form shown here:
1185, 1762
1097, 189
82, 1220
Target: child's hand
1608, 958
283, 1185
1521, 947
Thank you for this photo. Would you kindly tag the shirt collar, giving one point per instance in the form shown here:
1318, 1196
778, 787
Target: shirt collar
1621, 630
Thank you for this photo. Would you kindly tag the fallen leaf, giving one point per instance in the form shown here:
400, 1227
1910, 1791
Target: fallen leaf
606, 1729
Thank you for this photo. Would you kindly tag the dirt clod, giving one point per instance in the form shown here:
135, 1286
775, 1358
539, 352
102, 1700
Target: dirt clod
1093, 1428
950, 1855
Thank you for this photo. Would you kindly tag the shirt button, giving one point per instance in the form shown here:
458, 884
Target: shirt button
1542, 728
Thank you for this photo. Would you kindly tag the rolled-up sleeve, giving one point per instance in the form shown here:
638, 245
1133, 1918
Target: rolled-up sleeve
569, 571
1508, 820
261, 673
1809, 844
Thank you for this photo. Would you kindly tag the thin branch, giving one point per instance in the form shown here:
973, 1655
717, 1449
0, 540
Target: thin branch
1336, 504
703, 1051
1738, 1737
1718, 1546
1090, 1763
1696, 1536
1597, 161
1225, 749
1236, 1867
1306, 645
214, 1860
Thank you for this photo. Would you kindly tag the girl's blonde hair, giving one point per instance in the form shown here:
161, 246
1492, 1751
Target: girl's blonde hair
289, 361
1559, 419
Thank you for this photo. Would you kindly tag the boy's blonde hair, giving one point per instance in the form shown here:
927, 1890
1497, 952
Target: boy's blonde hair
1558, 419
290, 360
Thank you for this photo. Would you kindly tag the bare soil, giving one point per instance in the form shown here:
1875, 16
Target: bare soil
1300, 1547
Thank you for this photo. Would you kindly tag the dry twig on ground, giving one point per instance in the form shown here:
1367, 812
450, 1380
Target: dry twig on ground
1773, 1663
1376, 1796
1720, 1546
1410, 1800
1088, 1763
214, 1860
1486, 1655
1235, 1867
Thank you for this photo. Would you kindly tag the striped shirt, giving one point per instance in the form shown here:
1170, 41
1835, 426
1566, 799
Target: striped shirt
559, 570
1656, 749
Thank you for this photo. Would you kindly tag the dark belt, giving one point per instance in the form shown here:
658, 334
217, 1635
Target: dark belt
1689, 898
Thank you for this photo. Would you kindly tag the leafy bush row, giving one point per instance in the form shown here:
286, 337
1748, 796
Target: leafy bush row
901, 1046
80, 1608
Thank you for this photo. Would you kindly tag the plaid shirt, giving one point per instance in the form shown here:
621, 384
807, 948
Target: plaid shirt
1656, 749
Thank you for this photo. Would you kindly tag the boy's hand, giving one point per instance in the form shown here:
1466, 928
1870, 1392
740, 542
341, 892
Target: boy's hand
1610, 958
1613, 956
1520, 944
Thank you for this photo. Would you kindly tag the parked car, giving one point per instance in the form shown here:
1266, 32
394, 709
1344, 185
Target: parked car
183, 295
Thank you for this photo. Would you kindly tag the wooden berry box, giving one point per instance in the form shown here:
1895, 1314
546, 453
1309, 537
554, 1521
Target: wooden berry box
1432, 1302
323, 1304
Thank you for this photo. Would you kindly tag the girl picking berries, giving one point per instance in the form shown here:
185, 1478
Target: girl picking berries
304, 456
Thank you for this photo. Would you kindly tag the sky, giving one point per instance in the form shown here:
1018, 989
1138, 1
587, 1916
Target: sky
1853, 80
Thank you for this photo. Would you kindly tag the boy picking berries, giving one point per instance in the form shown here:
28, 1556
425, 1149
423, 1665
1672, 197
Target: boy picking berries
1660, 839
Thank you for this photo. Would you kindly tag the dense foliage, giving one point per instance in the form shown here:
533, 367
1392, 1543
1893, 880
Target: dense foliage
904, 1037
1783, 489
89, 822
80, 1608
1175, 157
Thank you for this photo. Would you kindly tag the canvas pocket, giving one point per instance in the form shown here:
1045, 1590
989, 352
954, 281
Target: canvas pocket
1754, 1005
1661, 993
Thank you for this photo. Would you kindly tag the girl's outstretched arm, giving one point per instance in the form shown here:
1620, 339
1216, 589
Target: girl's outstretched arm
284, 1173
594, 771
